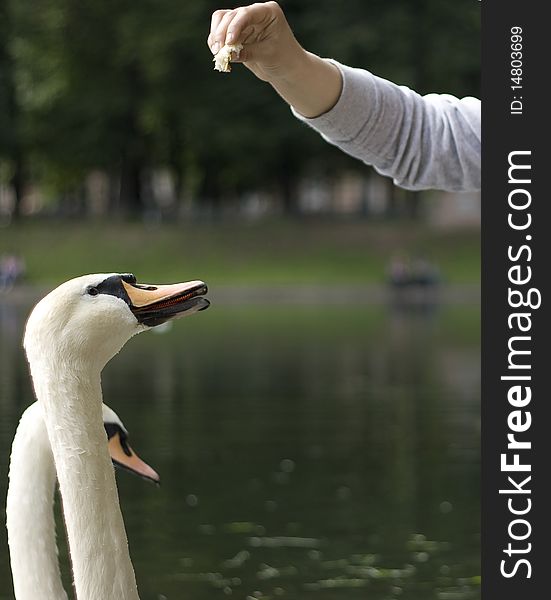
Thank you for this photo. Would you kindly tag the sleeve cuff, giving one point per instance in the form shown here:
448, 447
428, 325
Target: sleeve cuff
342, 122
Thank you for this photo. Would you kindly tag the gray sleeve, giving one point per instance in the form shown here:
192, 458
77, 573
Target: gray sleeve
421, 142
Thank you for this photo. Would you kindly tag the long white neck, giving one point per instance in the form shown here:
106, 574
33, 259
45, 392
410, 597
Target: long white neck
29, 512
70, 396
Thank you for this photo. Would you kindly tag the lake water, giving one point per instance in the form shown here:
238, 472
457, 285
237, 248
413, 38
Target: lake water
326, 452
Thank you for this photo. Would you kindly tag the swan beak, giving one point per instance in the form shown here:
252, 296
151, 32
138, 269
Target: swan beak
130, 462
155, 304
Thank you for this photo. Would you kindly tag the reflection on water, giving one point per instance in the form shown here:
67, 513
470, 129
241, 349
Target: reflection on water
323, 452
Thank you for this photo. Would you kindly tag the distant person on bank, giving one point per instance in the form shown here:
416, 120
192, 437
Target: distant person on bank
421, 142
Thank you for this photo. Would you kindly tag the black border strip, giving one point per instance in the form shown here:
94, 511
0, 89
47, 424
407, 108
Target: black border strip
503, 133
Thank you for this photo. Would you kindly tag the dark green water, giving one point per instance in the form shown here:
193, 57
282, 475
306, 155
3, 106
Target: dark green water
306, 452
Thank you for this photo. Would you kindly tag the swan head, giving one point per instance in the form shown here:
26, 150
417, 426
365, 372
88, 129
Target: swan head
89, 319
122, 454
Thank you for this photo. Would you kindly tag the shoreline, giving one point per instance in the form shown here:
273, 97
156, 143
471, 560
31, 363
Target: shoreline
308, 294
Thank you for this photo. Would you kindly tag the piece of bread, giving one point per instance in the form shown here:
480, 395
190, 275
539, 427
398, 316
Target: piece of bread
223, 57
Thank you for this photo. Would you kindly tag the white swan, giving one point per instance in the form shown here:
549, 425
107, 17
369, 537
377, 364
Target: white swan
29, 503
70, 336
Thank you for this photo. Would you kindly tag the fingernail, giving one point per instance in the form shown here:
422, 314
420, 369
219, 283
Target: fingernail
229, 37
215, 47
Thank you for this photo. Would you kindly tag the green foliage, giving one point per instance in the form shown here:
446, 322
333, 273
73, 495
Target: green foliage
124, 86
7, 127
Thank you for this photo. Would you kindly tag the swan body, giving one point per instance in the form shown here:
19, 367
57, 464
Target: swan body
70, 336
29, 503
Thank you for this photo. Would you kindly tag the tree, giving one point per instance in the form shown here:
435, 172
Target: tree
11, 144
127, 87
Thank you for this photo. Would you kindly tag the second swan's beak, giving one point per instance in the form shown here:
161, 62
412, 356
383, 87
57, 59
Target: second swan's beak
124, 457
154, 304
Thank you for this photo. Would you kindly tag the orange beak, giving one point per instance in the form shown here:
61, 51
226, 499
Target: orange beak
132, 462
155, 304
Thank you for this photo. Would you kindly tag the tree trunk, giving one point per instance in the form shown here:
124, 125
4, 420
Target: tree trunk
392, 210
175, 160
130, 195
413, 206
291, 206
12, 148
17, 185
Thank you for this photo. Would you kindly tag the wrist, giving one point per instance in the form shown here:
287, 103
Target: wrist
311, 85
293, 65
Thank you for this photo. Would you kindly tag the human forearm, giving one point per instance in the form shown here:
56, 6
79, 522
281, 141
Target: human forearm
311, 86
420, 141
270, 50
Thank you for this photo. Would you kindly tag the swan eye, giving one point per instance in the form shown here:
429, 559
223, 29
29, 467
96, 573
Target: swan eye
92, 291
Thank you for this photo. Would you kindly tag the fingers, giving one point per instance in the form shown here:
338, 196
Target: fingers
235, 26
215, 20
221, 31
247, 35
215, 38
243, 22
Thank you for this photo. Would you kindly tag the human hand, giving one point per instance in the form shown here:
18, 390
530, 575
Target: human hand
270, 50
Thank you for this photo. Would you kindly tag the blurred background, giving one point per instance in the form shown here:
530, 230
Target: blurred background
317, 430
